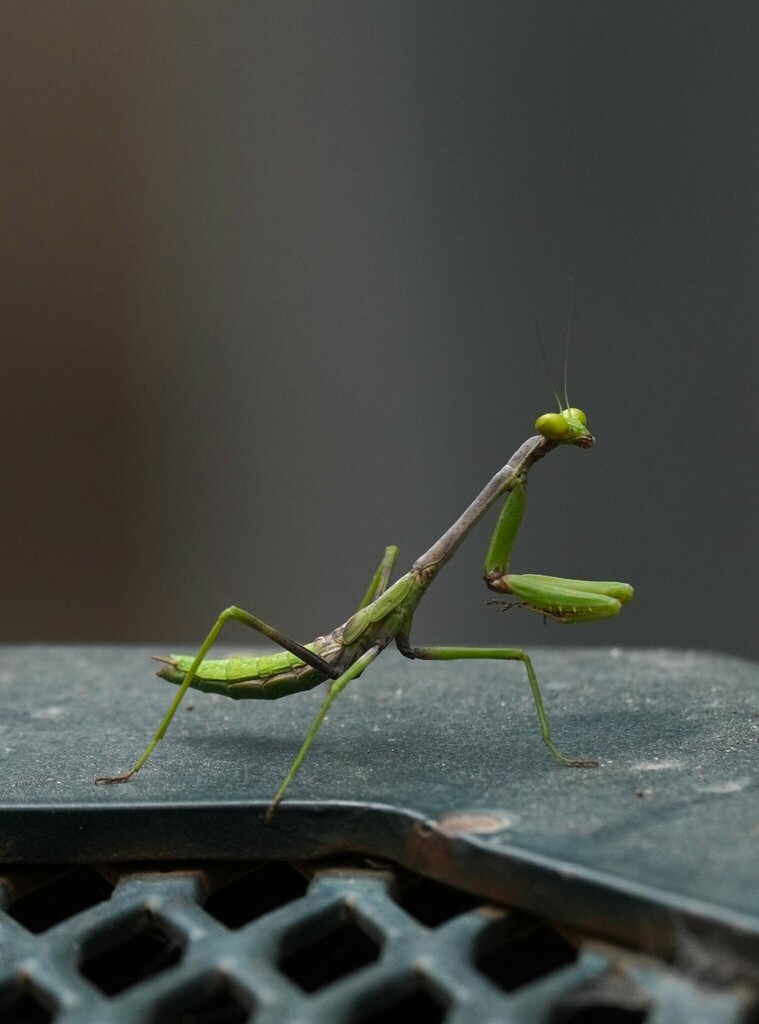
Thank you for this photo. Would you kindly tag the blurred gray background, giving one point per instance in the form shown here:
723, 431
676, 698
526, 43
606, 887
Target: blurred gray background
268, 278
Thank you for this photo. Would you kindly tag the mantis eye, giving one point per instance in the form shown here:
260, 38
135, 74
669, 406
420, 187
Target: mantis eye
552, 425
577, 414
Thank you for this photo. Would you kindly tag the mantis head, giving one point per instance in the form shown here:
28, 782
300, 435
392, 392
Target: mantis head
567, 427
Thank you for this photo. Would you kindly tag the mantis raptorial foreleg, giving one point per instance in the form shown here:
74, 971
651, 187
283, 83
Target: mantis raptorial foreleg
562, 599
336, 687
498, 654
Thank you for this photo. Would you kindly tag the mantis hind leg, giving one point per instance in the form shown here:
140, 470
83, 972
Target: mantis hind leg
336, 687
309, 657
499, 654
381, 578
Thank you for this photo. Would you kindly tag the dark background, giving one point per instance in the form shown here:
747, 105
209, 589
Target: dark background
267, 279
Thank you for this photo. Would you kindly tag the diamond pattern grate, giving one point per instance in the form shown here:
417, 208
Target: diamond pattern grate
274, 942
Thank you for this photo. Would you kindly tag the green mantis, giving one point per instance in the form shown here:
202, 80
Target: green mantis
386, 613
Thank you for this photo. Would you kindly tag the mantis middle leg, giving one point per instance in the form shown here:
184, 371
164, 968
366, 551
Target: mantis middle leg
381, 578
498, 654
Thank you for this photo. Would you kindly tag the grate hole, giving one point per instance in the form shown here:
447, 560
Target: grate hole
343, 950
415, 1007
270, 886
21, 1006
214, 1003
519, 959
64, 896
433, 903
601, 1013
147, 951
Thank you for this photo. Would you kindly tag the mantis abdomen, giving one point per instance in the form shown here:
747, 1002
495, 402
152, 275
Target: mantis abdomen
266, 677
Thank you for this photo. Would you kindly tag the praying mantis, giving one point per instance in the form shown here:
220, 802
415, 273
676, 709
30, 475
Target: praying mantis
386, 613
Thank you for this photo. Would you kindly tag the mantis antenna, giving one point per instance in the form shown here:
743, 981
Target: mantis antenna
569, 333
545, 363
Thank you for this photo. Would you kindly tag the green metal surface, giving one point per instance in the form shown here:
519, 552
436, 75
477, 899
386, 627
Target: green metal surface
436, 767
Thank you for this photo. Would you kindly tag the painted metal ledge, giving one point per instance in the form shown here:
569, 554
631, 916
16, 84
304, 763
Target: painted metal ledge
437, 767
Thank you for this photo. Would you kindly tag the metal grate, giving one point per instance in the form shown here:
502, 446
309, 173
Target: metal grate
273, 942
